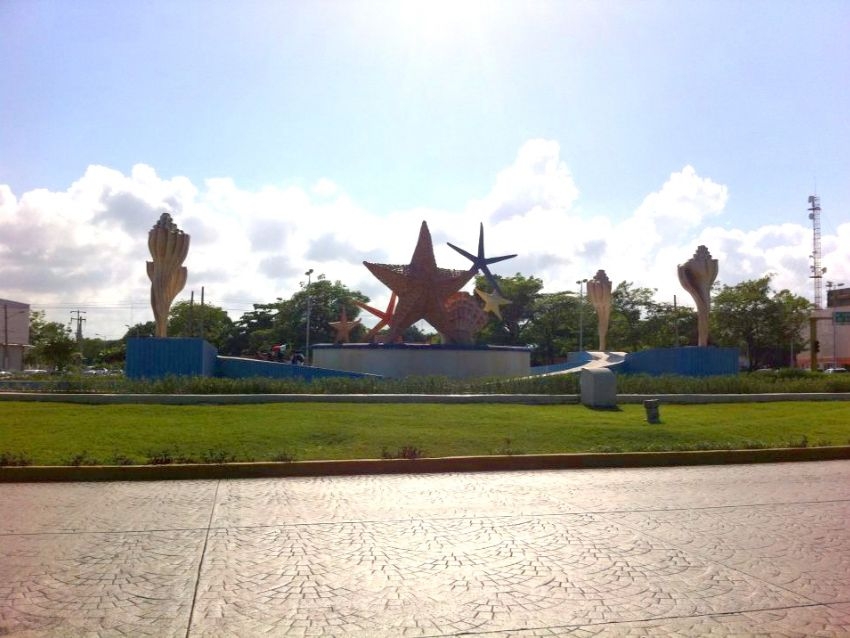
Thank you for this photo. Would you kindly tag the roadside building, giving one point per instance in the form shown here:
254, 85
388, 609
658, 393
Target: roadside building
14, 334
832, 325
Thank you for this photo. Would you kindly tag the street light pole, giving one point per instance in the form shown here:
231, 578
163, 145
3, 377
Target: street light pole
581, 283
307, 346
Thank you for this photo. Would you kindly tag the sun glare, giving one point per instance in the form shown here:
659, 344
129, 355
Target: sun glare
435, 22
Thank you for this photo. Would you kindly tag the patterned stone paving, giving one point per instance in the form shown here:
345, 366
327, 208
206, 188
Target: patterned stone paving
702, 551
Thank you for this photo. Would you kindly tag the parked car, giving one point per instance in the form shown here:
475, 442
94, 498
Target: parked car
835, 370
96, 371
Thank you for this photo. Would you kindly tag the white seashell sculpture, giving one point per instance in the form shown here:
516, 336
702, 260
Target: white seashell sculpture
696, 276
169, 246
599, 293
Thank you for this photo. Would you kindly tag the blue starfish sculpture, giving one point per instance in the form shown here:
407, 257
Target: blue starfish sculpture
481, 262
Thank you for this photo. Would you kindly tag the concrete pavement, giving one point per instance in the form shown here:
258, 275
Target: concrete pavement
689, 551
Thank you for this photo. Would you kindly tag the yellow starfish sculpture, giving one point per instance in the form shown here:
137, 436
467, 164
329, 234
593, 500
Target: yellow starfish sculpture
343, 327
492, 302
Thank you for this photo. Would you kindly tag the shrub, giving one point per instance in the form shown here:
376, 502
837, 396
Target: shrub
163, 457
217, 456
82, 458
507, 449
14, 459
803, 441
409, 452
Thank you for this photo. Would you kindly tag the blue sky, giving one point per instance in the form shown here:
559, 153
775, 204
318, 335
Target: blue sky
268, 114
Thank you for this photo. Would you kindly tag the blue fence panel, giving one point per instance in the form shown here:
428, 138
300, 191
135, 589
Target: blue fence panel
690, 361
154, 357
240, 368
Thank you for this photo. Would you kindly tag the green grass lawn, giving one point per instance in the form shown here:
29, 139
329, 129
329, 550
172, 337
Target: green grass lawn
63, 434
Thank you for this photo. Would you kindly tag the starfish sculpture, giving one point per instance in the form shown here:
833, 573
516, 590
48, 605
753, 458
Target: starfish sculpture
384, 316
481, 262
492, 302
422, 289
343, 327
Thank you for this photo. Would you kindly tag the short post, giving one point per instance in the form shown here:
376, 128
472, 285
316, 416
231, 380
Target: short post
651, 407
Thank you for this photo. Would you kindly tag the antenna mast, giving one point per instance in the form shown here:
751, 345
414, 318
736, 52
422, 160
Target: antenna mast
817, 270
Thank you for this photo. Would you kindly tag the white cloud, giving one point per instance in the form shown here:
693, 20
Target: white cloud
538, 178
85, 248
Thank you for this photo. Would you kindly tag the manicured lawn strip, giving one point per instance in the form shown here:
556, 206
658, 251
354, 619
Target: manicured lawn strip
61, 434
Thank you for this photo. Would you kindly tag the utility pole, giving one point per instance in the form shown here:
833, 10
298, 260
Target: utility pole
80, 320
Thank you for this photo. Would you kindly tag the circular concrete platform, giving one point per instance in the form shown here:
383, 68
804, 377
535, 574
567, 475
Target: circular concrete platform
406, 359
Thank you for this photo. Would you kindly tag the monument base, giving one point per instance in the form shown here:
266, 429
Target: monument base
404, 360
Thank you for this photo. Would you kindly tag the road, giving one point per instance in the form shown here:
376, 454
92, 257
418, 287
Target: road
691, 551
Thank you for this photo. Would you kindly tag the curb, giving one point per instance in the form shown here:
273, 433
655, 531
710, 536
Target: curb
417, 466
525, 399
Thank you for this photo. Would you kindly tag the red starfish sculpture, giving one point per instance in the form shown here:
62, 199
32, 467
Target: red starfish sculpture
385, 316
422, 288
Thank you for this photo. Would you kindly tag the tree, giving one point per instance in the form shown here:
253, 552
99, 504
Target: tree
766, 324
554, 327
146, 329
284, 320
666, 325
253, 329
630, 307
205, 321
523, 293
327, 301
51, 341
99, 351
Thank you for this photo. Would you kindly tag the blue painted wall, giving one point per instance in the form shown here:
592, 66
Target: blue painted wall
154, 357
690, 362
239, 368
574, 360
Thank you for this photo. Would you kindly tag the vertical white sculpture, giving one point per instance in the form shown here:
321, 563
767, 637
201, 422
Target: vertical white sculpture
696, 276
599, 293
169, 246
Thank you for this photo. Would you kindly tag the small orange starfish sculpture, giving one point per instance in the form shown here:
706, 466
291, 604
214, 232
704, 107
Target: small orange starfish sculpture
422, 289
343, 327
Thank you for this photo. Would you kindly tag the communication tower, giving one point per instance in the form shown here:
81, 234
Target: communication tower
817, 270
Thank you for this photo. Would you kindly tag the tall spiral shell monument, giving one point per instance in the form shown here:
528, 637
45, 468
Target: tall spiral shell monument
168, 246
599, 292
696, 276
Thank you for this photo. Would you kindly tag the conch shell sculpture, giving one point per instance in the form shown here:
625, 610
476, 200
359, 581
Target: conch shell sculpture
169, 246
599, 293
696, 276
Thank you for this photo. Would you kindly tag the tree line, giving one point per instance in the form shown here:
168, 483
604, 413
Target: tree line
764, 323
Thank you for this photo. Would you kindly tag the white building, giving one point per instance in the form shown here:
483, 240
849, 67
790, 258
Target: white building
14, 334
833, 332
